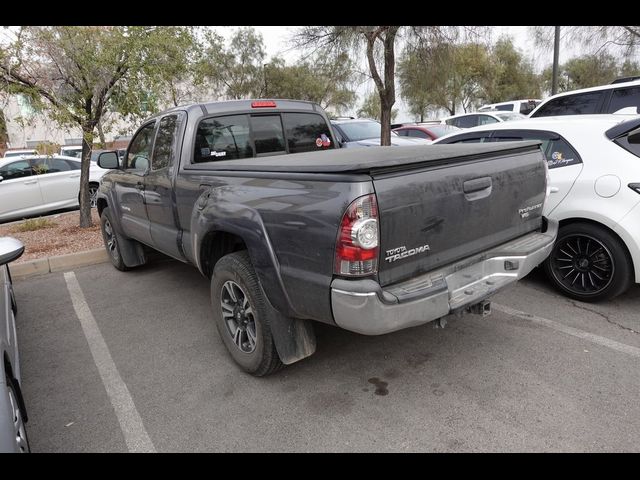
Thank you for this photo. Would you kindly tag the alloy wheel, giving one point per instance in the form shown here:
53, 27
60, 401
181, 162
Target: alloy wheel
239, 317
582, 264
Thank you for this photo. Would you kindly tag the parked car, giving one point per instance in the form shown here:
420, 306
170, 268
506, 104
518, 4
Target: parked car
469, 120
594, 167
74, 151
362, 132
13, 414
426, 131
291, 230
620, 98
19, 153
524, 107
38, 184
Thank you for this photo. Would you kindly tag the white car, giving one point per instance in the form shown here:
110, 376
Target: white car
469, 120
594, 170
520, 106
35, 184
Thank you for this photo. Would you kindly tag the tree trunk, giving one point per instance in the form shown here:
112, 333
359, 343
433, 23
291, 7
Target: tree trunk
85, 201
385, 121
103, 143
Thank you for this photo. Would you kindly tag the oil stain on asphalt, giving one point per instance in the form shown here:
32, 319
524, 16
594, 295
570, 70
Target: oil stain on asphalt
381, 387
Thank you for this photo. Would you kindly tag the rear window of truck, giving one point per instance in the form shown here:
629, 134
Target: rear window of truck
230, 137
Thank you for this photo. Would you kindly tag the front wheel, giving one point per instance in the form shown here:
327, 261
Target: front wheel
241, 315
589, 263
18, 419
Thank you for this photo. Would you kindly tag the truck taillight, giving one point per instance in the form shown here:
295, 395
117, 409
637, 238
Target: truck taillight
357, 244
547, 180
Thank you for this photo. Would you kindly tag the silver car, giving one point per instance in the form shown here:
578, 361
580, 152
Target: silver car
13, 415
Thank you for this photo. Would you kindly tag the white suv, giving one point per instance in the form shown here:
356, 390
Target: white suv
620, 98
594, 170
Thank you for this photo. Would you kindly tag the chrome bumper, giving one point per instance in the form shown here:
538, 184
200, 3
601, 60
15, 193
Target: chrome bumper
362, 306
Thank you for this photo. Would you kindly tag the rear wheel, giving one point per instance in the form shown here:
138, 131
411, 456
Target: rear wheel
589, 263
241, 315
18, 419
111, 240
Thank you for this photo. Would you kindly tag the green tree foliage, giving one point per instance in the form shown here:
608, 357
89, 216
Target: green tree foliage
443, 76
237, 69
327, 80
370, 108
467, 74
79, 73
377, 45
608, 38
589, 71
510, 76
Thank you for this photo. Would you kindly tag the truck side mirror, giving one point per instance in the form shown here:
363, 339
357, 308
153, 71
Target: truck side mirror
108, 160
634, 136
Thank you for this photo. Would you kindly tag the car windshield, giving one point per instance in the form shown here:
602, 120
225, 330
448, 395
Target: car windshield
506, 116
356, 131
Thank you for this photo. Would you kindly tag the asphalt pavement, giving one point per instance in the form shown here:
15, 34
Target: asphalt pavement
131, 361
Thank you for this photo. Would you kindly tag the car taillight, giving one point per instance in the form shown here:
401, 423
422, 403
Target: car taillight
357, 244
548, 180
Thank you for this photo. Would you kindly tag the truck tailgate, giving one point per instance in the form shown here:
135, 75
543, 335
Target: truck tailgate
436, 213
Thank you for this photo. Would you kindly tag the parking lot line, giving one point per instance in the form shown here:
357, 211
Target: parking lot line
135, 435
597, 339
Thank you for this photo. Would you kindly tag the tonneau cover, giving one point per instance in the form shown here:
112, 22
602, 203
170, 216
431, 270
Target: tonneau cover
366, 160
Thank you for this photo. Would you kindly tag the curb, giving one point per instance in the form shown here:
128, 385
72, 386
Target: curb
58, 263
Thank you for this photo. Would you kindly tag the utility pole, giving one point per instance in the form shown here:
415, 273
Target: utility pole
264, 72
556, 55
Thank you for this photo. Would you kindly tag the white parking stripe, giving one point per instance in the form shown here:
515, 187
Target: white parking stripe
597, 339
135, 435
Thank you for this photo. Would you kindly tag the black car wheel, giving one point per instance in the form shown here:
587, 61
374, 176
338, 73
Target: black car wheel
589, 263
241, 315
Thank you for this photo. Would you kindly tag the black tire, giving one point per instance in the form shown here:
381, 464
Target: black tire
18, 418
252, 347
111, 240
589, 263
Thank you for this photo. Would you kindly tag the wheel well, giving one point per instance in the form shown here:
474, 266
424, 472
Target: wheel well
215, 246
569, 221
102, 204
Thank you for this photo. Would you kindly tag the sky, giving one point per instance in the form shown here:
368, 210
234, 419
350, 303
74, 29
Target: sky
276, 43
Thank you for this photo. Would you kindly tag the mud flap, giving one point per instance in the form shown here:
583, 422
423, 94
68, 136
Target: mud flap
131, 251
294, 338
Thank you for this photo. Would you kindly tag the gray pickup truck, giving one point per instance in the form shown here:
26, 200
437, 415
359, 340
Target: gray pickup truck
292, 230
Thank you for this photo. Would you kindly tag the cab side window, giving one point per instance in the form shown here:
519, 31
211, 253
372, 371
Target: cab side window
164, 149
140, 148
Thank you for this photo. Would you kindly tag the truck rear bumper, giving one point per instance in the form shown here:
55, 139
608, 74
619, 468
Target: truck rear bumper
363, 306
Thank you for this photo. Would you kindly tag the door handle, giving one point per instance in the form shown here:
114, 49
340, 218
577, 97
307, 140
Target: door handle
554, 189
477, 188
476, 184
30, 182
74, 176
